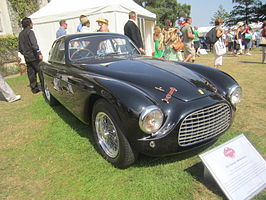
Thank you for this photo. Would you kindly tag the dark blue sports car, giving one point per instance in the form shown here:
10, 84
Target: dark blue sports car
134, 103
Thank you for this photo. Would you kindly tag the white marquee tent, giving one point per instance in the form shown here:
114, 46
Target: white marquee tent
46, 20
205, 29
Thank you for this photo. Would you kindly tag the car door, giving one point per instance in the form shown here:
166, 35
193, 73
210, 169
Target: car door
75, 88
52, 71
59, 71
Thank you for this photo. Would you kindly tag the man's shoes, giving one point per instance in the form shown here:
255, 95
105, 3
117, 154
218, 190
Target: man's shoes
16, 98
35, 91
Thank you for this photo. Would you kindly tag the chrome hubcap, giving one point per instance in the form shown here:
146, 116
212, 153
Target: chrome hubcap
47, 93
107, 134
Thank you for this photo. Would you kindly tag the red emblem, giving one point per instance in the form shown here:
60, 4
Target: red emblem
169, 95
229, 152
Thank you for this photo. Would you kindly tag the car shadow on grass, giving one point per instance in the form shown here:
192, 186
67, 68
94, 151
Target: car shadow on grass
197, 171
82, 129
251, 62
143, 161
148, 161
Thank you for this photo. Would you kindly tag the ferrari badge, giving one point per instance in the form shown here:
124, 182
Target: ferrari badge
169, 95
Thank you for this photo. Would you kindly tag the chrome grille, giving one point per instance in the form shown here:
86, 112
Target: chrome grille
204, 124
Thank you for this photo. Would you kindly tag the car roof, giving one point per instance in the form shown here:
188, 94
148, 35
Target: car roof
77, 35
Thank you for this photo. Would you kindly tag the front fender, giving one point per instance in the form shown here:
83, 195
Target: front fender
129, 102
221, 80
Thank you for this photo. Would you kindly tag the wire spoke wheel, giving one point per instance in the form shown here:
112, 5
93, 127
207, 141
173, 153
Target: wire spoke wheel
107, 134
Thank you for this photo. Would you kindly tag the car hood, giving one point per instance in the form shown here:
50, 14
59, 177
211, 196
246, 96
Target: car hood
155, 76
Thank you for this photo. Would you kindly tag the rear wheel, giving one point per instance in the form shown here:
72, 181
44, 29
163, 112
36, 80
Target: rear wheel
110, 140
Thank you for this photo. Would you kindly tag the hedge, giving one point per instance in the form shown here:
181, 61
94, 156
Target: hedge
8, 49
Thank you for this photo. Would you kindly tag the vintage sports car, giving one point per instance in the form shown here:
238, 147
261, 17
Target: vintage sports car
134, 103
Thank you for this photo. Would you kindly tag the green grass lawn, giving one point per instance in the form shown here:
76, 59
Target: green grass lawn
46, 153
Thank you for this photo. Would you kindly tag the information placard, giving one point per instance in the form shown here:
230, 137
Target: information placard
237, 167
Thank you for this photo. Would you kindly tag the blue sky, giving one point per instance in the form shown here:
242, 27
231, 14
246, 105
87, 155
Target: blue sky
203, 10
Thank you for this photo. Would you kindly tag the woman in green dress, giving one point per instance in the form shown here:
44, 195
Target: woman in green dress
158, 41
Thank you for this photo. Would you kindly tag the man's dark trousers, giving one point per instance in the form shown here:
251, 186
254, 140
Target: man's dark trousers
32, 70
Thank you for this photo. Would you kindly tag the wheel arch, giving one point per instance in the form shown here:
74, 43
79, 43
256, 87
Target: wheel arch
89, 106
127, 100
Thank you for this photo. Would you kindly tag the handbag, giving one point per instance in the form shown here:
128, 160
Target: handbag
262, 41
219, 47
248, 36
169, 36
178, 45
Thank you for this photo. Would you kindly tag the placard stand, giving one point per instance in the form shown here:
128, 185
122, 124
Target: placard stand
237, 167
207, 175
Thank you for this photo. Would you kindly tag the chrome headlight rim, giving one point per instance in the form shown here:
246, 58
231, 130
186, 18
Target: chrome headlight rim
233, 91
145, 113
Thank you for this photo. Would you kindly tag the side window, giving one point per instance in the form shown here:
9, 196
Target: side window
52, 50
58, 52
60, 56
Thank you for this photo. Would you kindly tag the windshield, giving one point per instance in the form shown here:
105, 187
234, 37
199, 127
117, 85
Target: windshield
99, 46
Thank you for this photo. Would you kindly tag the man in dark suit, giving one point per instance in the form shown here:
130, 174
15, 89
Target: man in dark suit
29, 48
132, 31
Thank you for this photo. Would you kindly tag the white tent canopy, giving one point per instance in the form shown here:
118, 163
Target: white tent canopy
205, 29
46, 20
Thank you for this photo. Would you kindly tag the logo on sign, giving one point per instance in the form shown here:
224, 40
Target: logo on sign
229, 152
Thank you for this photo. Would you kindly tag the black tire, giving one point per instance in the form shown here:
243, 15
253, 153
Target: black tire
118, 151
46, 93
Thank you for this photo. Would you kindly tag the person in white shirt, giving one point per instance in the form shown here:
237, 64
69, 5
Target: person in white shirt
80, 25
85, 25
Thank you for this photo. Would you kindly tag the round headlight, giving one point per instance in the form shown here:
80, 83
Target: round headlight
151, 119
236, 95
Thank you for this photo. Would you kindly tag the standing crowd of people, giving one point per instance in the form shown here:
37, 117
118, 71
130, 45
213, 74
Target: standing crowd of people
84, 26
169, 42
238, 41
242, 38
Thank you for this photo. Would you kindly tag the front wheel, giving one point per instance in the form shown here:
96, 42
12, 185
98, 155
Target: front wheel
110, 140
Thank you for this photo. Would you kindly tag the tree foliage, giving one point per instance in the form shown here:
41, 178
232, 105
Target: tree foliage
24, 8
222, 13
166, 9
247, 11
